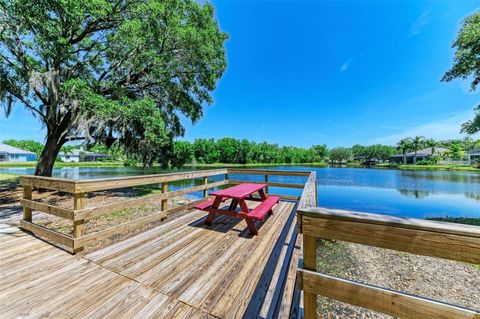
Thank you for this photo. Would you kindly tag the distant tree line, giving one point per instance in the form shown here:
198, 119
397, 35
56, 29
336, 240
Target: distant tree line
241, 151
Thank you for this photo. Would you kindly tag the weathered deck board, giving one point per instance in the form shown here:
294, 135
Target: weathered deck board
180, 269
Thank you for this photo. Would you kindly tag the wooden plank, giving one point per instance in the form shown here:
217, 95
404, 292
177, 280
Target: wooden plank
49, 234
27, 195
165, 200
310, 263
49, 209
63, 185
383, 300
309, 194
205, 191
78, 224
286, 197
393, 221
288, 301
286, 185
430, 243
121, 182
266, 182
268, 172
95, 211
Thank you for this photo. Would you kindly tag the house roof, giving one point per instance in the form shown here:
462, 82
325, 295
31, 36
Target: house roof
474, 152
425, 152
4, 148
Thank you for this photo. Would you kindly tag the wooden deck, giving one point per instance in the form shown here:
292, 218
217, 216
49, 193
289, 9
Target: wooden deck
181, 269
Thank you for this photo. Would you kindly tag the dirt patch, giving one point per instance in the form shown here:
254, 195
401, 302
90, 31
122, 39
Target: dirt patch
439, 279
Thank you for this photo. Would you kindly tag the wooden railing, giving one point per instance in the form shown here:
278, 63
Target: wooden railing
437, 239
79, 214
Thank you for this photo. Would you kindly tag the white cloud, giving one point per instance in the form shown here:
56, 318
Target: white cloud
420, 23
346, 65
444, 129
349, 61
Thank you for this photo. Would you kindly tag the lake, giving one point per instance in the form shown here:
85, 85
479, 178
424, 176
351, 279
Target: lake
395, 192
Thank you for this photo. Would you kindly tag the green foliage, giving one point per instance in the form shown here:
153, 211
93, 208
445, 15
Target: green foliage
372, 152
233, 151
130, 162
466, 63
182, 154
116, 72
340, 154
27, 145
455, 151
320, 151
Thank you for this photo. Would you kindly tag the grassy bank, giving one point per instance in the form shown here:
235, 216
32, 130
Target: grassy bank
437, 167
460, 220
61, 164
221, 165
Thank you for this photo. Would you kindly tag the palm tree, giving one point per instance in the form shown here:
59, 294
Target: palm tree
417, 142
405, 145
432, 144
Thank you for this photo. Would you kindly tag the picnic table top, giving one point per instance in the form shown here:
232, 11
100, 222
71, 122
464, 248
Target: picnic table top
239, 191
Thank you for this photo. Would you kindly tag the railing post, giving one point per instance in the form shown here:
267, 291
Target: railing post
226, 176
78, 225
164, 201
205, 191
27, 212
266, 182
310, 263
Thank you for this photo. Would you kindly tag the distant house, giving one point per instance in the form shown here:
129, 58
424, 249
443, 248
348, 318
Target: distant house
12, 154
421, 155
72, 156
473, 156
79, 155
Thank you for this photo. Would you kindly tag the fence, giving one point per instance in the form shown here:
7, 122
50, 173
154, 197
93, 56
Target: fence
437, 239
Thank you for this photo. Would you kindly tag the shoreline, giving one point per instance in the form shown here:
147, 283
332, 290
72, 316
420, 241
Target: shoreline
437, 167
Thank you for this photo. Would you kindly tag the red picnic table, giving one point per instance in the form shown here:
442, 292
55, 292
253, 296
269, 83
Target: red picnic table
239, 194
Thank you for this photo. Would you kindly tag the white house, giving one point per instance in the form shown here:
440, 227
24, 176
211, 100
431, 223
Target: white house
72, 156
473, 156
80, 155
12, 154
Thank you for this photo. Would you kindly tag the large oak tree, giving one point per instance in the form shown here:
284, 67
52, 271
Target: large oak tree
119, 72
467, 63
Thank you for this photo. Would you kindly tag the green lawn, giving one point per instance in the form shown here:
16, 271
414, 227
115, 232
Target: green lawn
439, 167
60, 164
220, 165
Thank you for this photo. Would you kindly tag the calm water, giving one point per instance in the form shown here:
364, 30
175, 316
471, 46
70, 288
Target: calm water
394, 192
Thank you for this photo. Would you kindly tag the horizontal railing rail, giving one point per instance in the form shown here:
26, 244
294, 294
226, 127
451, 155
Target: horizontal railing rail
430, 238
79, 214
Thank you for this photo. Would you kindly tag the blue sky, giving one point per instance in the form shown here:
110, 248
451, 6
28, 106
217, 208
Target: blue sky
329, 72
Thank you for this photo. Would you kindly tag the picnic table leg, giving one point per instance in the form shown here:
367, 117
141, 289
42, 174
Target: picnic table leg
264, 197
262, 194
251, 226
211, 215
243, 206
233, 204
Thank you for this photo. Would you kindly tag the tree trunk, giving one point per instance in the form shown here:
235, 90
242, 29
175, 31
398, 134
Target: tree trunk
49, 154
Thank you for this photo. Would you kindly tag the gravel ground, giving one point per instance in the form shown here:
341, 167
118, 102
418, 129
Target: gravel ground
439, 279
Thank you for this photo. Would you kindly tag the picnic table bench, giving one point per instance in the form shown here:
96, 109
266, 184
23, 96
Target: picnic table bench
239, 194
